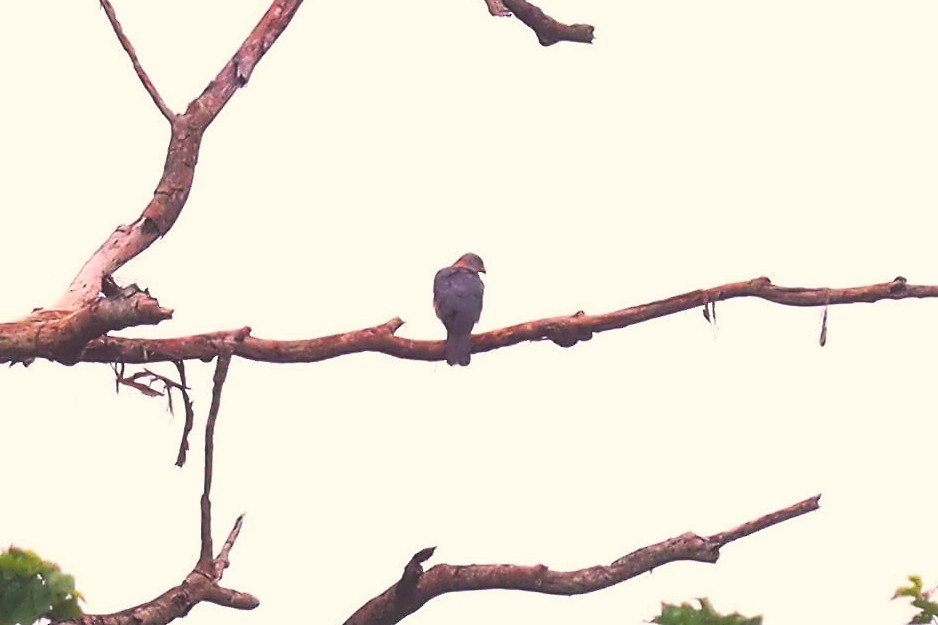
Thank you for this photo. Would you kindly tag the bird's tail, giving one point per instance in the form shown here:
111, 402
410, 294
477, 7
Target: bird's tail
458, 349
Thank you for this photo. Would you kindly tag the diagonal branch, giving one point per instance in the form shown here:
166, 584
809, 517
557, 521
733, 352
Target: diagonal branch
565, 331
548, 30
141, 73
417, 587
172, 191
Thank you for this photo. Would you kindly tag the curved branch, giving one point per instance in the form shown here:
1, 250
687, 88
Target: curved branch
565, 331
182, 155
417, 587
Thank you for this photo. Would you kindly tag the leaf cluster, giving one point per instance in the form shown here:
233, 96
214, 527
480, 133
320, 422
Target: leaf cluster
32, 589
921, 599
686, 614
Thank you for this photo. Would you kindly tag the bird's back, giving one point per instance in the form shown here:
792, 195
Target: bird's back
457, 291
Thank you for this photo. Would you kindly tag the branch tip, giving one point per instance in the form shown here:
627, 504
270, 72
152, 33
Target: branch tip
412, 572
548, 30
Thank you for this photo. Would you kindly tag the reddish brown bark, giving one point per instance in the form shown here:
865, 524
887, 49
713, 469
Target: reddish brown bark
565, 331
416, 588
548, 30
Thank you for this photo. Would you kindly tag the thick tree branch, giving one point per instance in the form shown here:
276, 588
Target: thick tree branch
61, 335
565, 331
548, 30
141, 73
172, 191
416, 588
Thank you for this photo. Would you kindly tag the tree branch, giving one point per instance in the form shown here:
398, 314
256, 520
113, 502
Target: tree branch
548, 30
201, 584
141, 73
497, 8
172, 191
61, 335
416, 588
205, 564
565, 331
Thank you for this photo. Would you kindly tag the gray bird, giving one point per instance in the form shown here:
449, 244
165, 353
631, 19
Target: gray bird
457, 298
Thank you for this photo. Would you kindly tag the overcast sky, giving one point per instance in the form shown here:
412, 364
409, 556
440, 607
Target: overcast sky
696, 143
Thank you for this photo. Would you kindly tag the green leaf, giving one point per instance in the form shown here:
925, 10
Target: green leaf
927, 609
32, 588
686, 614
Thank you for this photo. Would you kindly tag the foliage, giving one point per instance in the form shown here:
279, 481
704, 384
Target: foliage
921, 599
686, 614
32, 589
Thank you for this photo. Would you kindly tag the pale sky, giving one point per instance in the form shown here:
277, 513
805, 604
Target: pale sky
695, 143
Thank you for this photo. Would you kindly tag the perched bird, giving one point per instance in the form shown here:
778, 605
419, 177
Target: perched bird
457, 298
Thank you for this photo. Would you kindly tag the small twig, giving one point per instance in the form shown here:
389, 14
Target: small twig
190, 414
221, 373
143, 388
822, 340
497, 8
773, 518
413, 571
118, 368
141, 73
221, 561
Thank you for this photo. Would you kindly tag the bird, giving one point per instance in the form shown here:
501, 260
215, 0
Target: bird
457, 299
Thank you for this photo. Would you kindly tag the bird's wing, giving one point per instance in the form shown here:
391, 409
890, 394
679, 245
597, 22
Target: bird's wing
457, 296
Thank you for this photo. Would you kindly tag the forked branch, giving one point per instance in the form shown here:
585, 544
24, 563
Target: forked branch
417, 587
174, 186
188, 128
202, 583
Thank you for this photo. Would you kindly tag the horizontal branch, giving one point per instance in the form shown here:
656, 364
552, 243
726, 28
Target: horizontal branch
61, 335
565, 331
417, 587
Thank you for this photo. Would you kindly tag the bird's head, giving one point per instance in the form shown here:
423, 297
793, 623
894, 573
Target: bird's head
470, 261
